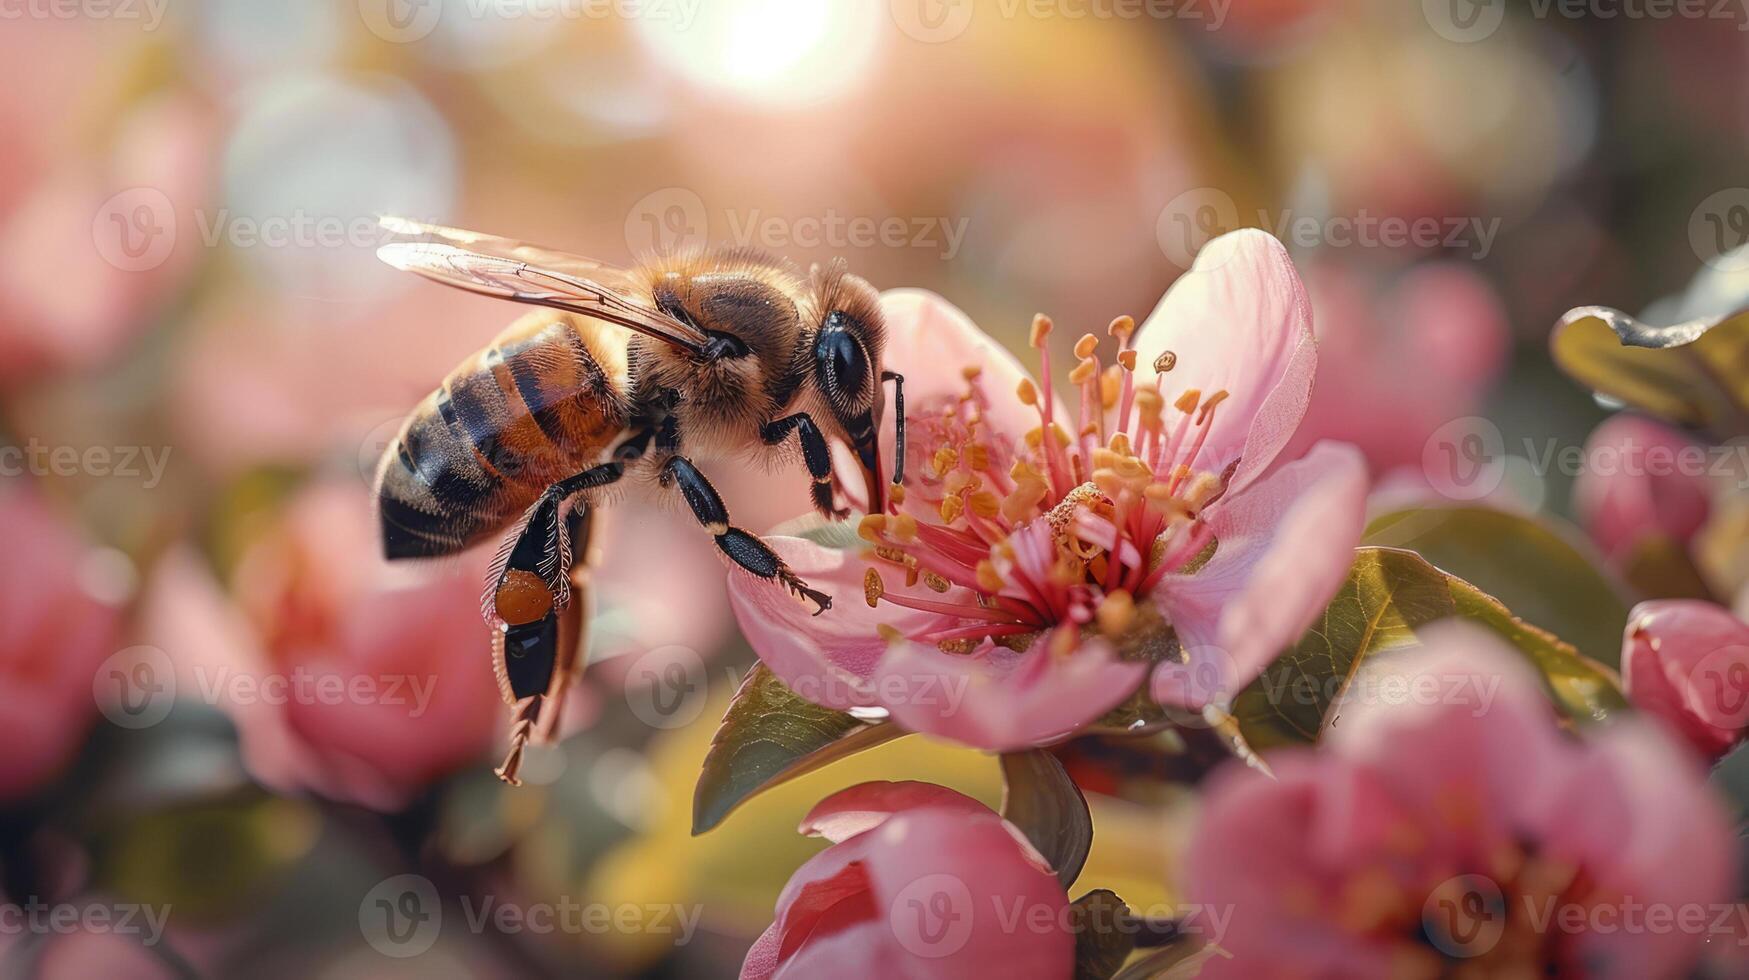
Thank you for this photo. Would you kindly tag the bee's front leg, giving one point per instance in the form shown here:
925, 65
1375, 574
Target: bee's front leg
815, 453
744, 549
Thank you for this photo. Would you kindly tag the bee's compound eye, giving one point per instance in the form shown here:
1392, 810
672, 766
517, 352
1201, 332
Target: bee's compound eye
842, 362
522, 597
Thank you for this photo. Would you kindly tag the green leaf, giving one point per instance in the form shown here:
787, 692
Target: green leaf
1100, 945
1689, 373
1039, 798
1175, 962
1542, 571
769, 736
1388, 596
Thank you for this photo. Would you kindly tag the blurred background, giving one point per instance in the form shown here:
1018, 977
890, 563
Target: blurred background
232, 732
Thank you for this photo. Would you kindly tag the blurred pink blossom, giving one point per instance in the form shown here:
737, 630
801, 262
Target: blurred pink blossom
1463, 833
920, 882
1397, 361
1634, 486
92, 250
345, 675
1687, 662
54, 635
1017, 543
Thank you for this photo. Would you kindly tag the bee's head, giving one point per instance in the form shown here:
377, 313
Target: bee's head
845, 363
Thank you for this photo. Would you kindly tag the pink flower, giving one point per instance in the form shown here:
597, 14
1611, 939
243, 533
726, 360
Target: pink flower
1636, 485
122, 225
1687, 662
920, 882
345, 675
1398, 361
1022, 580
1447, 827
55, 631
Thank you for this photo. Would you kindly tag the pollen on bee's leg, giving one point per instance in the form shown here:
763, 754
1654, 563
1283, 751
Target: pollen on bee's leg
522, 597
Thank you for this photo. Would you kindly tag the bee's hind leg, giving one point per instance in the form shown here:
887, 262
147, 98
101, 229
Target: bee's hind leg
538, 606
744, 549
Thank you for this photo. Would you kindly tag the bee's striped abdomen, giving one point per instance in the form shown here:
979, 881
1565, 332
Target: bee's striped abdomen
539, 404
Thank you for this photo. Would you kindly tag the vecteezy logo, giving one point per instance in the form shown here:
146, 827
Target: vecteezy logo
401, 916
1191, 220
1721, 680
1465, 459
1464, 916
400, 21
932, 916
932, 21
672, 219
135, 230
135, 687
666, 686
1464, 21
1718, 230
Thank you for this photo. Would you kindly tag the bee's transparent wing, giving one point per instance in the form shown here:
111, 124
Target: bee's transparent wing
531, 274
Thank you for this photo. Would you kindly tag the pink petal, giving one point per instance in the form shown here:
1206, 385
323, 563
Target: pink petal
1636, 485
1636, 813
1285, 546
1000, 700
866, 806
828, 658
1472, 715
930, 341
962, 899
1238, 321
1687, 662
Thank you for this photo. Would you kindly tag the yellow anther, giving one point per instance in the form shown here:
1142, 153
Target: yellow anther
988, 578
905, 528
896, 491
935, 582
1202, 490
951, 509
1165, 362
1086, 345
1034, 437
946, 458
971, 371
1127, 359
872, 587
977, 456
1208, 407
1121, 327
1110, 384
1041, 328
1116, 613
1022, 470
1027, 392
1061, 436
1186, 402
985, 504
1120, 444
871, 526
1027, 495
888, 632
1083, 372
1062, 642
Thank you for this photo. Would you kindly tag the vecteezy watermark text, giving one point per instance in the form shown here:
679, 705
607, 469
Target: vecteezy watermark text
676, 218
1193, 218
36, 917
120, 462
148, 13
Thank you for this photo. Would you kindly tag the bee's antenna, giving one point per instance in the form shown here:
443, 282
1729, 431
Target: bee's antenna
898, 381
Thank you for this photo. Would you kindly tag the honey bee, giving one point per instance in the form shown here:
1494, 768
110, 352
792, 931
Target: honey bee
625, 375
